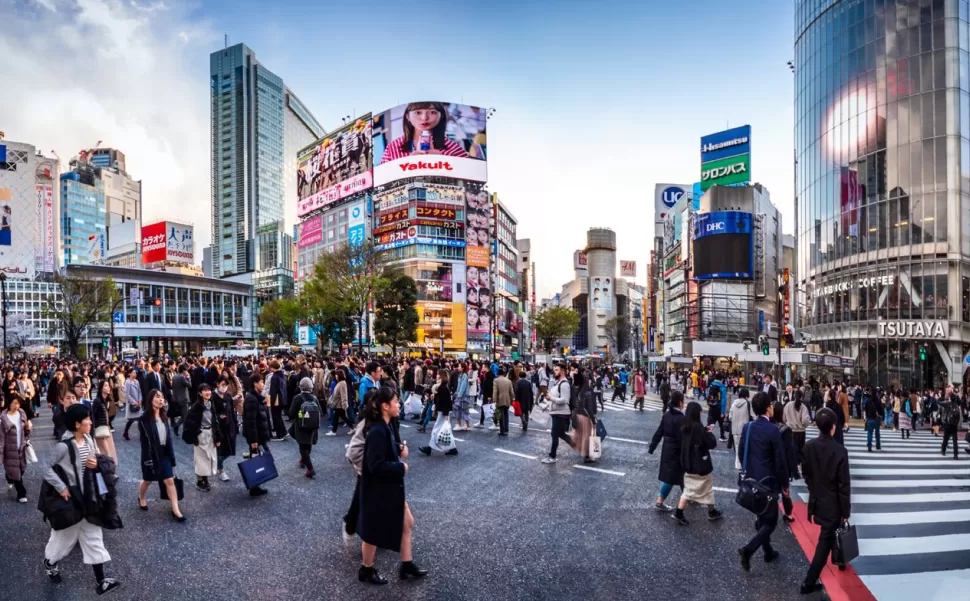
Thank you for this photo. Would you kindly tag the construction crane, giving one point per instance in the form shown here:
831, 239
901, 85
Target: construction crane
83, 154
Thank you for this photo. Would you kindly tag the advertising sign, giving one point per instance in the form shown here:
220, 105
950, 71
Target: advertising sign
727, 143
153, 243
335, 166
392, 217
724, 172
665, 197
477, 233
723, 245
579, 260
478, 298
180, 245
601, 292
628, 269
96, 247
435, 211
429, 139
311, 232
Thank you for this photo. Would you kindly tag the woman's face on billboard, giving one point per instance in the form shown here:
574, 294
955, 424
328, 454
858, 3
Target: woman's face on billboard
424, 119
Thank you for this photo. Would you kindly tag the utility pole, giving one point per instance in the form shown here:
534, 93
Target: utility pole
3, 298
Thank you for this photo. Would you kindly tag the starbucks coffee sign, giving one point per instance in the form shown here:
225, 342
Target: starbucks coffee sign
914, 329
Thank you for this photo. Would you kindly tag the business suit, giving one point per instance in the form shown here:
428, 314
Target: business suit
826, 470
502, 396
763, 458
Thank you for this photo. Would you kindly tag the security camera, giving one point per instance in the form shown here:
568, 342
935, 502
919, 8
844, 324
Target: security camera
804, 338
746, 343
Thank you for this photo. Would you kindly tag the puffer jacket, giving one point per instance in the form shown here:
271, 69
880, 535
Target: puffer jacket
740, 415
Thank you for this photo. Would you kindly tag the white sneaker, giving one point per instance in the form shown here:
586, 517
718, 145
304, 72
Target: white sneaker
224, 476
549, 460
22, 500
330, 433
493, 427
479, 426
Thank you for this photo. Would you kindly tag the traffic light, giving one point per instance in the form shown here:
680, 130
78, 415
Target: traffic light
922, 353
104, 342
137, 338
763, 343
153, 301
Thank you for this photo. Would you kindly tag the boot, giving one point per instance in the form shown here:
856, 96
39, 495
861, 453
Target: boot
410, 570
370, 575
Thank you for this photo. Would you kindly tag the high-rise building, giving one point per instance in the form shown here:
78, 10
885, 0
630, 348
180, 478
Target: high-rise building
29, 203
83, 214
508, 322
258, 125
527, 293
882, 143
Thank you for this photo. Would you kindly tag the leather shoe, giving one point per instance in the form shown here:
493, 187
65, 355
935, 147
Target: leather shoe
745, 559
772, 556
808, 589
370, 575
410, 570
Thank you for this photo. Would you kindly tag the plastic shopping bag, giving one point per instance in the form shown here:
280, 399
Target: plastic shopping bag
413, 405
489, 410
595, 448
540, 415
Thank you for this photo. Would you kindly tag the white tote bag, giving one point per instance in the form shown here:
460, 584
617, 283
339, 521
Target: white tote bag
595, 448
413, 405
31, 454
540, 415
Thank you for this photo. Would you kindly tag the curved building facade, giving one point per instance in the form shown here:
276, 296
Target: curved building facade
882, 149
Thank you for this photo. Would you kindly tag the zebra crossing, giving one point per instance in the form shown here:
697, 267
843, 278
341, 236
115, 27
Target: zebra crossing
911, 508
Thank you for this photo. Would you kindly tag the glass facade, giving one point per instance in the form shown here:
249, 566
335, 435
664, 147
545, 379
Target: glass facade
82, 216
882, 149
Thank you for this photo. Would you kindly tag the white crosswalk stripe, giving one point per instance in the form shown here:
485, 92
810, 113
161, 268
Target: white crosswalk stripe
911, 507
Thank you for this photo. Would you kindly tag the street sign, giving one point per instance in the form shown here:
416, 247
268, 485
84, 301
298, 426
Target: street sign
118, 317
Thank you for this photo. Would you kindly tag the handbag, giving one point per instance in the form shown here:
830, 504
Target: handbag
595, 448
753, 494
31, 454
540, 415
102, 432
258, 469
600, 429
517, 409
846, 546
179, 489
61, 513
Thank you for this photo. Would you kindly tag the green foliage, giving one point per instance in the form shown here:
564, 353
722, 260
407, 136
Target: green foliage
278, 318
554, 323
396, 321
83, 302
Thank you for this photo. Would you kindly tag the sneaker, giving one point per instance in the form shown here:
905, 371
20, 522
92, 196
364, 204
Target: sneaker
452, 452
53, 572
223, 476
479, 426
678, 517
107, 585
331, 433
310, 474
549, 460
247, 455
22, 500
346, 536
663, 507
203, 486
425, 450
493, 427
788, 519
714, 515
277, 439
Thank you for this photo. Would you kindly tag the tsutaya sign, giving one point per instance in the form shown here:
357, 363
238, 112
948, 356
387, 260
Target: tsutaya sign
914, 329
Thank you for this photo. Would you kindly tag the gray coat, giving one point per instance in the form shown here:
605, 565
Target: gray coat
62, 457
180, 390
13, 457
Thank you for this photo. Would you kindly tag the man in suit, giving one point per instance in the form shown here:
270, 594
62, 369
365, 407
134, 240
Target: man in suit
763, 456
197, 374
768, 387
825, 465
154, 380
502, 395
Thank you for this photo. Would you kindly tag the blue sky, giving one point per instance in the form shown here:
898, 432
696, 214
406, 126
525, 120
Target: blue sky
596, 101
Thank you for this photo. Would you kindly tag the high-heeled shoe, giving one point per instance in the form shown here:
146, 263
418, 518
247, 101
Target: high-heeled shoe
143, 507
370, 575
410, 570
178, 518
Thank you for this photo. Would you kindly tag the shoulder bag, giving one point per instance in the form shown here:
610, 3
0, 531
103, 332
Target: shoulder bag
846, 546
753, 495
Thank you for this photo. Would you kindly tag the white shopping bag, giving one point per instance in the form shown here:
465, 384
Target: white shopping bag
540, 415
595, 448
442, 438
489, 410
412, 406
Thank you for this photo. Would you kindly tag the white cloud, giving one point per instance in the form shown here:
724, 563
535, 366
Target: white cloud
89, 70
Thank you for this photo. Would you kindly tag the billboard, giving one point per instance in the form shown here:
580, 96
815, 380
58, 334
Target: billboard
628, 269
477, 233
167, 241
726, 157
665, 197
478, 299
579, 260
601, 292
311, 232
335, 166
723, 245
429, 138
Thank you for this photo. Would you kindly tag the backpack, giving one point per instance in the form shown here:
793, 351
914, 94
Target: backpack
309, 414
953, 415
355, 450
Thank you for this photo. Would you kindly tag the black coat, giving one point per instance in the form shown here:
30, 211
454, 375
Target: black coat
300, 434
256, 419
408, 384
523, 394
225, 424
766, 458
152, 450
695, 450
671, 471
198, 379
442, 399
381, 518
788, 442
839, 420
192, 426
825, 466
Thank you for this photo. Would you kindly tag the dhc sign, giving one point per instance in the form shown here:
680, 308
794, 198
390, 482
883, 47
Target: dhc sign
722, 222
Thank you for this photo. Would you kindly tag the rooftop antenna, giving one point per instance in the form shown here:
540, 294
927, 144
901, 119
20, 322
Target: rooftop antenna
227, 41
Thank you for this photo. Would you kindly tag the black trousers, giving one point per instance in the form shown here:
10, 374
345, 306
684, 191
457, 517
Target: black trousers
950, 432
765, 524
305, 456
340, 415
826, 540
19, 486
128, 424
279, 428
503, 419
350, 520
560, 423
619, 391
799, 439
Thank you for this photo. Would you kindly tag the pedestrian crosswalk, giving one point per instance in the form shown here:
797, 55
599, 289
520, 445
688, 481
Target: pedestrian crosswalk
648, 405
911, 508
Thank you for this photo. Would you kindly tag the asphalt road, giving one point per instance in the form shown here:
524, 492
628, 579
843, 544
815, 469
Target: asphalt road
491, 523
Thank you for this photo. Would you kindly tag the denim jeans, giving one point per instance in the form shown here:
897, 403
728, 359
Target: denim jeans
560, 423
665, 490
427, 414
888, 421
872, 425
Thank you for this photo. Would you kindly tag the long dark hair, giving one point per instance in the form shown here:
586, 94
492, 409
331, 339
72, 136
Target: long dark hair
437, 134
150, 414
692, 415
798, 399
373, 399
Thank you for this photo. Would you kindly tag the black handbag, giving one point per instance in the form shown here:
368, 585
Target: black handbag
58, 512
753, 495
179, 489
846, 546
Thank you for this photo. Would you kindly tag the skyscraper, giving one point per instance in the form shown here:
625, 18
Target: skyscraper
257, 126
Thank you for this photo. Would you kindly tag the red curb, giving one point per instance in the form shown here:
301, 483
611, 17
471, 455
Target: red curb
840, 586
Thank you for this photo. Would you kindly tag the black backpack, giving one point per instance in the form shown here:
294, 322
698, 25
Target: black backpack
953, 415
309, 414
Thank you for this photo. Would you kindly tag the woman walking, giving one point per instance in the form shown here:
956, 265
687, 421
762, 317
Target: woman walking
133, 409
696, 444
443, 406
157, 453
226, 425
463, 402
385, 519
14, 440
906, 410
639, 389
671, 472
741, 414
100, 410
338, 403
197, 430
775, 414
72, 456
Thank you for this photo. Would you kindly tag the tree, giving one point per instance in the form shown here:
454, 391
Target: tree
278, 318
617, 330
554, 323
83, 302
396, 321
341, 288
20, 332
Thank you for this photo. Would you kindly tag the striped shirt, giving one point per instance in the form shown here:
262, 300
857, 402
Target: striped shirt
395, 150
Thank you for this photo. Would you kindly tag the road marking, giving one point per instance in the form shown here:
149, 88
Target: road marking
643, 442
906, 545
857, 483
523, 455
909, 517
405, 426
724, 489
459, 439
954, 471
600, 470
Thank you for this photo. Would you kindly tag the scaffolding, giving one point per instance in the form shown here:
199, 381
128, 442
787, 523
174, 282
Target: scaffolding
723, 310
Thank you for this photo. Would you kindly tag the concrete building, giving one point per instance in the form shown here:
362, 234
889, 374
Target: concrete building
258, 125
527, 294
505, 278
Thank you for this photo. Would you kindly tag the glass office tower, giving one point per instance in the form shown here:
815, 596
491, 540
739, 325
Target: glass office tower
882, 150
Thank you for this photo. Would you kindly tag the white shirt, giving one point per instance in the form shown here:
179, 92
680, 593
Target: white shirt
15, 420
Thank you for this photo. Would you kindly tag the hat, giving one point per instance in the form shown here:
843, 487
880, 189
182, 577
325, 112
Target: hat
74, 415
306, 384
